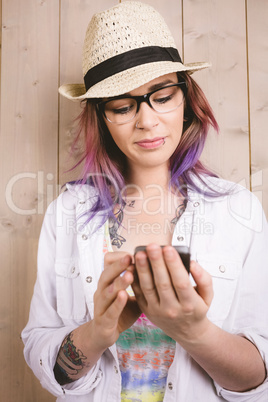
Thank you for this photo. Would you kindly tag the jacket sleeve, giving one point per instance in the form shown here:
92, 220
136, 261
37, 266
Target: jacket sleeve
46, 330
248, 316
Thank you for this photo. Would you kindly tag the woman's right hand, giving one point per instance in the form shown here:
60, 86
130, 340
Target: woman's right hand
114, 309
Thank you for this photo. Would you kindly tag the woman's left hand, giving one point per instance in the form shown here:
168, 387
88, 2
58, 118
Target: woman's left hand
166, 296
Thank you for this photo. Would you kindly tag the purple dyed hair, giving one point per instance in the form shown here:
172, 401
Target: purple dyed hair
105, 164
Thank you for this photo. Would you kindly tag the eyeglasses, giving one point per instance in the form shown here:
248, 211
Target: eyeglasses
122, 109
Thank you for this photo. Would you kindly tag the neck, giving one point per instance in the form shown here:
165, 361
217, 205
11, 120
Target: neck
146, 179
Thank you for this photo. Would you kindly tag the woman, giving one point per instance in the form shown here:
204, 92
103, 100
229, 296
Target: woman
106, 325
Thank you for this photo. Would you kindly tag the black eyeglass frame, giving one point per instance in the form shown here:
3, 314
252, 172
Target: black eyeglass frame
139, 99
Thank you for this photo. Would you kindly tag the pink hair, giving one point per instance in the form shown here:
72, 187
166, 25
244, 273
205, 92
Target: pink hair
105, 164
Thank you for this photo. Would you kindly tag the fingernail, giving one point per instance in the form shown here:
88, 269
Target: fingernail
196, 267
153, 251
168, 252
141, 259
125, 260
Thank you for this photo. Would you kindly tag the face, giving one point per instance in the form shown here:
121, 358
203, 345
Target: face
150, 138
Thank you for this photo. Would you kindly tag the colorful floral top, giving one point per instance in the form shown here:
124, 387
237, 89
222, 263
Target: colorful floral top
145, 354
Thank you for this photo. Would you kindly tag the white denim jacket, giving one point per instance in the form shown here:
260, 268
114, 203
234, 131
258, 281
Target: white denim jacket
229, 238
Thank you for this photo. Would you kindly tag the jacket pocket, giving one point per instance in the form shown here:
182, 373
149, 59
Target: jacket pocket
71, 302
224, 273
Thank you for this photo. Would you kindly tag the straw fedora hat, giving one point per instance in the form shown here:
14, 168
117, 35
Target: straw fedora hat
125, 47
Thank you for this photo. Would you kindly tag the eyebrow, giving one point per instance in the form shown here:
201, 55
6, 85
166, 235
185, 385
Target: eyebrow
151, 89
160, 85
156, 86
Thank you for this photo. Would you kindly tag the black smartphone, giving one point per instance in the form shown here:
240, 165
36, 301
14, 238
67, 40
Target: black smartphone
183, 251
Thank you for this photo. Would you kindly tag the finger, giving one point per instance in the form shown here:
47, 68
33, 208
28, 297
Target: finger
203, 282
105, 296
121, 282
145, 277
113, 268
161, 275
112, 256
114, 311
179, 276
139, 296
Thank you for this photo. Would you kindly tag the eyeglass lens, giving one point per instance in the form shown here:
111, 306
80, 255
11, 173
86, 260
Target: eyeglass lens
164, 100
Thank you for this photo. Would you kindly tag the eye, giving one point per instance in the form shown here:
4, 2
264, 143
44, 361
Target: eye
120, 106
123, 110
164, 95
163, 99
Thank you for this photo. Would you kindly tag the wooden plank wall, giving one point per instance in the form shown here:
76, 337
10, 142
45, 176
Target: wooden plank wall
216, 31
29, 129
41, 48
257, 28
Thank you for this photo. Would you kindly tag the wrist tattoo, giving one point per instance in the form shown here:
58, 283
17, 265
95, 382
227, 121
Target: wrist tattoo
70, 362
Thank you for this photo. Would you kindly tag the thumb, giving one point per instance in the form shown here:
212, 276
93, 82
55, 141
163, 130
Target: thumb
203, 282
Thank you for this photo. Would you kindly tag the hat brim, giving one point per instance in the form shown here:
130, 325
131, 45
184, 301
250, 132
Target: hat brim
127, 80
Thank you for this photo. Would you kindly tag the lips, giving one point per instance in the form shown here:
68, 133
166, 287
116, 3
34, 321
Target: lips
151, 143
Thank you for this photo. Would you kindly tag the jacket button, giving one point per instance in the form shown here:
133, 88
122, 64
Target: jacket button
222, 269
196, 204
84, 237
180, 238
89, 279
116, 369
73, 270
82, 202
170, 386
40, 362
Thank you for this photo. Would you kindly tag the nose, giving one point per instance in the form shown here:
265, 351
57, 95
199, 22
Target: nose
146, 117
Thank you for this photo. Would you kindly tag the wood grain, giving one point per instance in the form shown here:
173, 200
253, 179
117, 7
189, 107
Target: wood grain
215, 31
257, 16
29, 112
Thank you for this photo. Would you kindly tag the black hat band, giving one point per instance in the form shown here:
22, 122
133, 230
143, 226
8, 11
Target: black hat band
127, 60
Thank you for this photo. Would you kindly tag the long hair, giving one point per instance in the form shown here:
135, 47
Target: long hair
185, 164
105, 164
